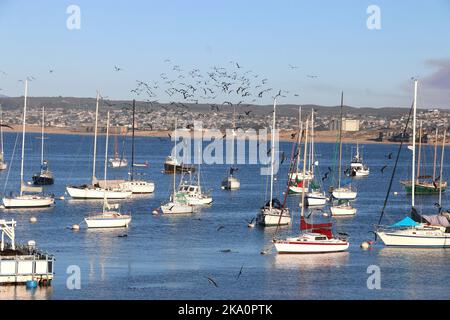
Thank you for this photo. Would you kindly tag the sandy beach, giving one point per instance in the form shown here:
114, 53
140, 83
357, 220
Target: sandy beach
285, 135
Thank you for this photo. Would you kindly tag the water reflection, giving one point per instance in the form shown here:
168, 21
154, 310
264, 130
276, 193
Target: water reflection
310, 261
22, 293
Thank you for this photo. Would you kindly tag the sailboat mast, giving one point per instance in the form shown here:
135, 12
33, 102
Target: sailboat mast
132, 143
272, 152
300, 132
42, 137
340, 142
23, 136
174, 167
1, 130
312, 143
106, 160
95, 139
413, 174
420, 151
302, 214
442, 168
435, 155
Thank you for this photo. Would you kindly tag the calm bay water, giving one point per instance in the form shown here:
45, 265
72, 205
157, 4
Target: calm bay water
170, 257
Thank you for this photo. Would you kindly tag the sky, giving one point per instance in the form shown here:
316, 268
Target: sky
328, 39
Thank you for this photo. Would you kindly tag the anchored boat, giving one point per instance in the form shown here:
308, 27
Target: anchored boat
273, 213
28, 197
110, 217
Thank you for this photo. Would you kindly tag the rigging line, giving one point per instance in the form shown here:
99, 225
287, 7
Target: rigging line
10, 162
395, 166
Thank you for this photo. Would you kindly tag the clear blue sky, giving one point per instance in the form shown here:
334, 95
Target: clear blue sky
325, 38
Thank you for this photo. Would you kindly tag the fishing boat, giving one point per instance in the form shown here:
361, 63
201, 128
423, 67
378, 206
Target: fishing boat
273, 213
315, 238
425, 184
177, 203
416, 230
342, 192
193, 192
136, 186
231, 182
110, 217
3, 164
118, 161
28, 197
97, 190
45, 176
357, 166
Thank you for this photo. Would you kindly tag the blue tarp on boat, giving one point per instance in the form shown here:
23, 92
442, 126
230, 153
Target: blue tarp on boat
407, 222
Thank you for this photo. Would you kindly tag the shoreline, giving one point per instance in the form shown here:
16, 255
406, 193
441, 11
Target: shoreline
285, 136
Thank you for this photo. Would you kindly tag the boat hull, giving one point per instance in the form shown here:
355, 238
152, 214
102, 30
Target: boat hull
172, 168
39, 180
315, 199
271, 218
101, 221
344, 194
301, 247
415, 238
343, 211
231, 184
176, 208
424, 189
27, 202
96, 193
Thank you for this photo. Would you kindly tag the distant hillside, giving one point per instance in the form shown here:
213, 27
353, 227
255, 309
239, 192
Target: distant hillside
283, 110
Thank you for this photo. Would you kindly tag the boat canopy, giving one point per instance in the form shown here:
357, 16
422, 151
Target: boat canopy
406, 222
275, 204
437, 220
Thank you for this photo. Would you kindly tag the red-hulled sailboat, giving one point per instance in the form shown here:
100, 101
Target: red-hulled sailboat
314, 238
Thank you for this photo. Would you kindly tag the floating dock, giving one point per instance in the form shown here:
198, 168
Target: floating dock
22, 263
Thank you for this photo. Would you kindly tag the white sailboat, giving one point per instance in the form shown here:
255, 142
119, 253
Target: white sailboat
314, 197
25, 199
342, 193
421, 231
299, 180
357, 167
177, 203
319, 239
137, 186
118, 161
3, 164
110, 216
97, 190
273, 213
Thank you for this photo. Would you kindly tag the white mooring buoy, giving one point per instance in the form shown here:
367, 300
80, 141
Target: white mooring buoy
365, 245
75, 227
33, 219
154, 212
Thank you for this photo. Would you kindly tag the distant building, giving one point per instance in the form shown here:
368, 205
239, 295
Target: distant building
351, 125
